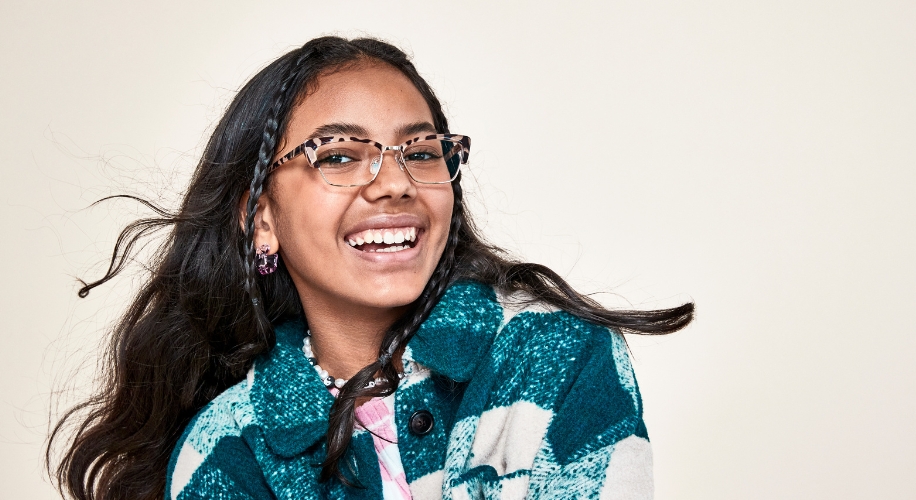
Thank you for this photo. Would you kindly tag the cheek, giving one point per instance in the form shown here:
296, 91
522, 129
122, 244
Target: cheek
441, 206
308, 219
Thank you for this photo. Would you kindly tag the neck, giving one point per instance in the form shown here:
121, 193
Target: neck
346, 338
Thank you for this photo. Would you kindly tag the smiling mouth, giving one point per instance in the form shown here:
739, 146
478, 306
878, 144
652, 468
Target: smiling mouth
393, 239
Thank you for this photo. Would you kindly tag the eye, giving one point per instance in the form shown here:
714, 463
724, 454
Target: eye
331, 158
422, 155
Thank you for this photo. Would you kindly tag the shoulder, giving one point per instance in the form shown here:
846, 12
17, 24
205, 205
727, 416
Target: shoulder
512, 332
578, 370
535, 326
211, 440
591, 362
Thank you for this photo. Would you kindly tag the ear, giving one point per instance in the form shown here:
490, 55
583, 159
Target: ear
264, 222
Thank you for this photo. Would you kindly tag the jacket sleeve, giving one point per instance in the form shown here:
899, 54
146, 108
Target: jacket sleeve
596, 445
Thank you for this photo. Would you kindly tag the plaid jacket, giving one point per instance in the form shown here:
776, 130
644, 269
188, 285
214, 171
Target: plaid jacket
524, 403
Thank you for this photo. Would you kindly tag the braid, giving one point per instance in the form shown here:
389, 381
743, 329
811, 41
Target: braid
342, 415
435, 287
269, 139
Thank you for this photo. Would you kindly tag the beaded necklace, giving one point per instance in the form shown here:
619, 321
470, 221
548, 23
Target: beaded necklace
323, 374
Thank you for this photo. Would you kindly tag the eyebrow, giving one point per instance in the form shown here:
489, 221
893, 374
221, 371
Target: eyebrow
416, 128
340, 129
355, 130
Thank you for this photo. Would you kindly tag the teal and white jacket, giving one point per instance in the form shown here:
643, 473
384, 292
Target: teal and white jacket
525, 403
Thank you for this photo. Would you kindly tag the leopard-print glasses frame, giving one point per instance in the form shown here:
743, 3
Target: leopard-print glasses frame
310, 149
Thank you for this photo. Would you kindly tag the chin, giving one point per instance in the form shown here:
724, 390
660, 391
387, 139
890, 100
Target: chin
390, 292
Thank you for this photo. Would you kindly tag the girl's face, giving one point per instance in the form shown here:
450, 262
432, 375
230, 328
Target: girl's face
311, 222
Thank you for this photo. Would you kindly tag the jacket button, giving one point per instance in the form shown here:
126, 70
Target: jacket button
421, 422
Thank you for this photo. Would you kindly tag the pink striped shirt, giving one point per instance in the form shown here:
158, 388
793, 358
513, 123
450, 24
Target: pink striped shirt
377, 417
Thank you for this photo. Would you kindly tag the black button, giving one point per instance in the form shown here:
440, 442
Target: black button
421, 422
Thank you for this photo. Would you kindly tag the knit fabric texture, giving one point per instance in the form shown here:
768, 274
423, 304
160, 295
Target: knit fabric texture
526, 402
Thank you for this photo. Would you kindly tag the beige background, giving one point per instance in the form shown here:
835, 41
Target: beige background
756, 157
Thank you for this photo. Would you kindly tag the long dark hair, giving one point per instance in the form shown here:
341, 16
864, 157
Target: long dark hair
204, 314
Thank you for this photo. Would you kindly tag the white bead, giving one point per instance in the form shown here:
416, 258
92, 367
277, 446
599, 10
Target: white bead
339, 383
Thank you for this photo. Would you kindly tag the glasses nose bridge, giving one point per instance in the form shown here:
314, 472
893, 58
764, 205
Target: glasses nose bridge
398, 154
398, 158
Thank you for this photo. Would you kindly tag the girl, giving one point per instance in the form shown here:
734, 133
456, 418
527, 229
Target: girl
324, 321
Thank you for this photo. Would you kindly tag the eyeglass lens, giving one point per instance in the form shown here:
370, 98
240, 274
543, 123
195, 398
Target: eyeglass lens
349, 163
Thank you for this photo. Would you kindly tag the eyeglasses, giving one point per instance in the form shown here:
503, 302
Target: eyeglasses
351, 162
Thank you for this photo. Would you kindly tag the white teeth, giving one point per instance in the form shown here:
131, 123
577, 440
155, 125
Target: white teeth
391, 249
386, 236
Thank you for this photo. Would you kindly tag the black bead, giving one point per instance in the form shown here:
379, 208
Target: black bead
420, 423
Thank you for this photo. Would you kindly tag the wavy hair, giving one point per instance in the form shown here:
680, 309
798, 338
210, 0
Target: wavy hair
204, 314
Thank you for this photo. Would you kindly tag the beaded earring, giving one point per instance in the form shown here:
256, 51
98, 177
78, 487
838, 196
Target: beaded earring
266, 263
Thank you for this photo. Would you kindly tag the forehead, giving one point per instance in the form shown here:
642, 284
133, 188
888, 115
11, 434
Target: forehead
375, 96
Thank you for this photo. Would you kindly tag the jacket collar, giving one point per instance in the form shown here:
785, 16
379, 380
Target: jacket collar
291, 404
459, 331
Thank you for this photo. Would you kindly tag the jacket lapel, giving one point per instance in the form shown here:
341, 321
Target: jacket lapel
291, 404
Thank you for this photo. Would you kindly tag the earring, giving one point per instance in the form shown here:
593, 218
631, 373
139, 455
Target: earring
266, 263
